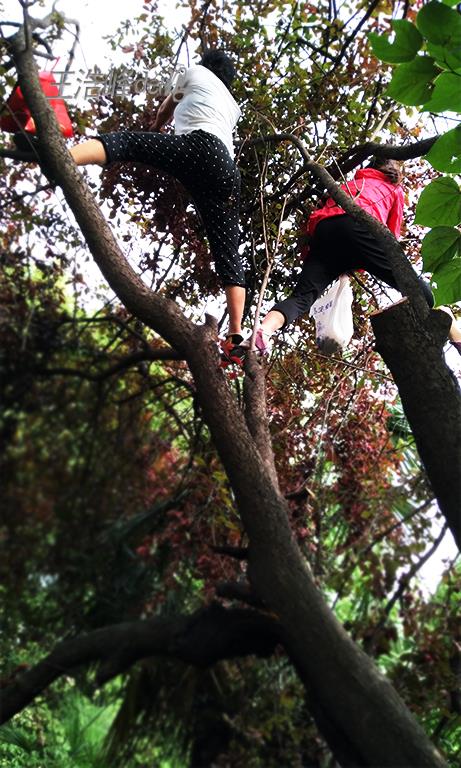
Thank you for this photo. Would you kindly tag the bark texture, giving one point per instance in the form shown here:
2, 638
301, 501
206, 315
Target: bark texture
430, 396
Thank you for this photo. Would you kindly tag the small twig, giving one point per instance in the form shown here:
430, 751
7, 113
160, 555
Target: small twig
384, 534
406, 578
340, 360
136, 358
357, 29
270, 263
43, 188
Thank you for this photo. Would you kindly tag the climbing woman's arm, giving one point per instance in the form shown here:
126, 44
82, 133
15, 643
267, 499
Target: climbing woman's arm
164, 113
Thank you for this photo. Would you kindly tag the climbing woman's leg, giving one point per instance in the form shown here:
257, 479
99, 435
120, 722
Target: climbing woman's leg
273, 321
89, 152
215, 187
235, 299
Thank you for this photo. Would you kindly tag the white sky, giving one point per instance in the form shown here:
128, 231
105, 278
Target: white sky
100, 19
97, 18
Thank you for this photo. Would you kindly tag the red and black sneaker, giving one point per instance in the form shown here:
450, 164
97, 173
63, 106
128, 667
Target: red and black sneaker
230, 349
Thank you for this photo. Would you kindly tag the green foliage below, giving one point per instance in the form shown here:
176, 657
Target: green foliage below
68, 734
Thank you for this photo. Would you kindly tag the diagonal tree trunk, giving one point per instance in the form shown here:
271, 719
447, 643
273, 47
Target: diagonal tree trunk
413, 352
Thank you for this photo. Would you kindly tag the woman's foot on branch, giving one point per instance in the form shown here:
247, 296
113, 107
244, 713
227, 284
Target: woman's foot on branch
235, 351
228, 345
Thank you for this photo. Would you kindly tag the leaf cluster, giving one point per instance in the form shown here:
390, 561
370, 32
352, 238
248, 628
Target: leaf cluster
428, 75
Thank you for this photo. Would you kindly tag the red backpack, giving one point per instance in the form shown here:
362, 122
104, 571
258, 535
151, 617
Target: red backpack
16, 116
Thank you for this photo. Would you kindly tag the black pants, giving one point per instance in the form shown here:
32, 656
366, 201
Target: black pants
339, 245
202, 163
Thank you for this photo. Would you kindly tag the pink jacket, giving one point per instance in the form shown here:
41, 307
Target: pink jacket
373, 192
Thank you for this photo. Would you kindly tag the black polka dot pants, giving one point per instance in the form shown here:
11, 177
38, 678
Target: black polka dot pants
201, 162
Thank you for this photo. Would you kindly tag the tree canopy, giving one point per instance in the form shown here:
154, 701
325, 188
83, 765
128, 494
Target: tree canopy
204, 567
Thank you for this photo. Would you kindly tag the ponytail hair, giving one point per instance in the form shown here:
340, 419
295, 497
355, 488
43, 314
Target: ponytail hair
220, 64
390, 168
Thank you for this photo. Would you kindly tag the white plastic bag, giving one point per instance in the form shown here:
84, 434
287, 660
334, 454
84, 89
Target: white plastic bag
332, 313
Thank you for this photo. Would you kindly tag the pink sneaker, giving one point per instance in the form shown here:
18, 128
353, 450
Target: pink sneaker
263, 342
263, 347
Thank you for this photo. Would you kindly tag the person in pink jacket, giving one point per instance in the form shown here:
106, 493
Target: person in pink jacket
375, 189
339, 244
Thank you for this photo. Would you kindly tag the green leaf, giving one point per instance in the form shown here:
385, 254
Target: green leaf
445, 154
439, 246
446, 95
439, 24
448, 279
406, 45
411, 83
450, 2
446, 56
439, 204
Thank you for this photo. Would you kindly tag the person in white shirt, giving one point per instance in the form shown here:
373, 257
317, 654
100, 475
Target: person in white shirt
200, 155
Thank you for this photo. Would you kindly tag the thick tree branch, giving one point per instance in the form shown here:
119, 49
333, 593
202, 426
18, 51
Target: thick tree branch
202, 639
430, 397
346, 162
254, 392
156, 311
20, 156
356, 155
